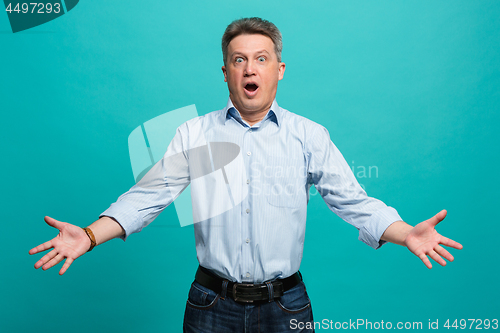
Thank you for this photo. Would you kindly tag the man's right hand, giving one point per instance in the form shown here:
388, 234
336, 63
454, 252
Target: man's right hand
70, 243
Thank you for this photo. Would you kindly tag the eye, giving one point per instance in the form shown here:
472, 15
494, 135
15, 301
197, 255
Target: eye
262, 59
239, 60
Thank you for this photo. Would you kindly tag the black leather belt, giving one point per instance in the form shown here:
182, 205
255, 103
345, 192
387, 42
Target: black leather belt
247, 292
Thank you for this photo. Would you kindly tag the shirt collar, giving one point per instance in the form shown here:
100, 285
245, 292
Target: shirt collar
275, 114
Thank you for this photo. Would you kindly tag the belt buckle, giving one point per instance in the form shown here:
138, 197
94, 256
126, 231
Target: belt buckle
236, 298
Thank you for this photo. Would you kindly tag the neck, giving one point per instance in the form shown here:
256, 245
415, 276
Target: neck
252, 117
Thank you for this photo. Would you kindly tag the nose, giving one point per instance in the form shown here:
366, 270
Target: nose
249, 70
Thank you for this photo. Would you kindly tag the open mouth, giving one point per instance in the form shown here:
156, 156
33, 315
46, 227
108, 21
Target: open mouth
251, 88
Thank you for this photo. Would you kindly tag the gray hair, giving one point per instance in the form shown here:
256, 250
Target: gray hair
250, 26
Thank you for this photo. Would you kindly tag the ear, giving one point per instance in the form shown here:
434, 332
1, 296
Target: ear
225, 73
281, 70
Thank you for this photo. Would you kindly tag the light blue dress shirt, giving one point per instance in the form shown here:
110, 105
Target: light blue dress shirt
262, 237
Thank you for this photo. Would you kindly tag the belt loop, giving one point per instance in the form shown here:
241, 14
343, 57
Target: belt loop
270, 290
224, 289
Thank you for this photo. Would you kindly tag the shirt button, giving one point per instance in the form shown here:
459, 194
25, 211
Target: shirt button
248, 181
249, 153
247, 240
248, 210
248, 275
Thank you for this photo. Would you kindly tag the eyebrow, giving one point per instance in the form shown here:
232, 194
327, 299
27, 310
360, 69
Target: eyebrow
240, 53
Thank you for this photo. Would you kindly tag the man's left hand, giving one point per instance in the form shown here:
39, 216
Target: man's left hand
423, 240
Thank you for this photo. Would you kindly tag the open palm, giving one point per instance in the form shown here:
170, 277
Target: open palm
424, 240
70, 243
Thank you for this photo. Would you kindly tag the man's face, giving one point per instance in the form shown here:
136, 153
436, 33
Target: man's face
252, 72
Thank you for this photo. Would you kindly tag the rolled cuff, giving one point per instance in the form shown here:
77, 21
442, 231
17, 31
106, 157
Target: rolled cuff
375, 226
126, 215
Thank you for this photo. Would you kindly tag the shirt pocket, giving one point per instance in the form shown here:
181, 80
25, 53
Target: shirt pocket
283, 181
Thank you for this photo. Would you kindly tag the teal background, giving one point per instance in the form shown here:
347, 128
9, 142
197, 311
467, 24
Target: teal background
411, 87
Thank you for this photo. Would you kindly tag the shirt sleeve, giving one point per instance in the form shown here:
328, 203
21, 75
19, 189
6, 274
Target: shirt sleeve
335, 181
159, 187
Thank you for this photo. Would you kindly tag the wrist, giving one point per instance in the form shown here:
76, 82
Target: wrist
406, 233
91, 236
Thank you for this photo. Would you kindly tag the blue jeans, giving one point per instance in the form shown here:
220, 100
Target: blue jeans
208, 312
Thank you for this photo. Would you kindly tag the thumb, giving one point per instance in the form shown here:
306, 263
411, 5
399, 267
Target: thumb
53, 222
438, 217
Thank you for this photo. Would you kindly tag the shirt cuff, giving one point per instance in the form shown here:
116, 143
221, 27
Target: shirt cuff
126, 215
375, 226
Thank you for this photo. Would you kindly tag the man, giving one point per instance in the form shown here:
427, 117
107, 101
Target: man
250, 254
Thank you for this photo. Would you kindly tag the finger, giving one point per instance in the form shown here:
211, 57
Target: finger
42, 247
438, 217
66, 265
425, 260
53, 222
57, 259
46, 258
437, 258
451, 243
444, 253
